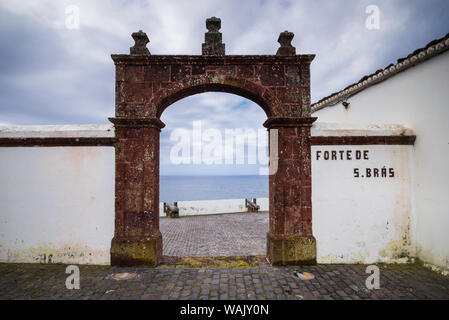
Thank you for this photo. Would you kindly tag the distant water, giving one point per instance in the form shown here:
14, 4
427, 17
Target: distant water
184, 188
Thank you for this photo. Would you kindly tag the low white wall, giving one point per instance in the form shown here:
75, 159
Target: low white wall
56, 204
58, 131
201, 207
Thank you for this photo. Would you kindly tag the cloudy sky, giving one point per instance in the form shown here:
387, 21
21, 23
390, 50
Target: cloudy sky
50, 74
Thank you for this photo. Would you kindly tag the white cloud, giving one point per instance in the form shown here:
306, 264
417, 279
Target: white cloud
51, 74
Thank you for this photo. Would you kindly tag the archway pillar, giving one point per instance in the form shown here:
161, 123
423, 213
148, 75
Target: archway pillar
290, 240
137, 239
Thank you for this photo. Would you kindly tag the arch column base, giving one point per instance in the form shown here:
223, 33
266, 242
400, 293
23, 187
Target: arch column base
285, 250
137, 251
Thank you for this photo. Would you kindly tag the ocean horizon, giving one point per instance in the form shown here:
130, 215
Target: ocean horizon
212, 187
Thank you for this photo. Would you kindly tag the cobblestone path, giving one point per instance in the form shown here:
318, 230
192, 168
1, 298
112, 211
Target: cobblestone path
34, 281
236, 234
220, 235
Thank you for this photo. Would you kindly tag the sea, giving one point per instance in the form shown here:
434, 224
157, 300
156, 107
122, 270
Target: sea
185, 188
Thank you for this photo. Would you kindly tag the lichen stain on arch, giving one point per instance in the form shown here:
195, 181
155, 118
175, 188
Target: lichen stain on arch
215, 83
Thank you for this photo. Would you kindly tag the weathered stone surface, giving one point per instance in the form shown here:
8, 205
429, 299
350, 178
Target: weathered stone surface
212, 45
286, 48
146, 85
137, 192
291, 250
140, 46
290, 194
137, 251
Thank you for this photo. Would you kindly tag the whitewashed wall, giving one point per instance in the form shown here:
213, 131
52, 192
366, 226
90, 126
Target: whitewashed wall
359, 218
56, 204
418, 98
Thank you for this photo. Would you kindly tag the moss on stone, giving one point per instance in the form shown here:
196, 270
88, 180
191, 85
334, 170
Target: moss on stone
292, 250
136, 251
213, 262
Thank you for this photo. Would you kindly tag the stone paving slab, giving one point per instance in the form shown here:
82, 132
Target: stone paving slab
339, 282
235, 234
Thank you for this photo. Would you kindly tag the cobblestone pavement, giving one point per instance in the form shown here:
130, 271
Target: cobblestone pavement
34, 281
236, 234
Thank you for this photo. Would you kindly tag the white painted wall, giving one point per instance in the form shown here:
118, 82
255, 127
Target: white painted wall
56, 204
417, 98
59, 202
364, 219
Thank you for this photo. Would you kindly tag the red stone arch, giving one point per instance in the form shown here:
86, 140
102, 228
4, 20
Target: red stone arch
147, 84
192, 85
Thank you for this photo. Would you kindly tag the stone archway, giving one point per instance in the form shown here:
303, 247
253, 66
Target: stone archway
147, 84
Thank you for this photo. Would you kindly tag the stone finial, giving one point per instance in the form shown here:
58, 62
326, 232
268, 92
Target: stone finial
212, 45
213, 24
140, 46
286, 48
